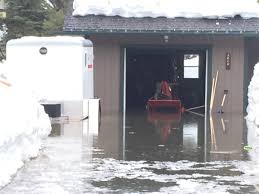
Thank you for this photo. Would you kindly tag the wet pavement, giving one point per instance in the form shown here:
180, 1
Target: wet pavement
152, 153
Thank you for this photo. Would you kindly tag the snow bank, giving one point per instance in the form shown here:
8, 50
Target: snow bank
253, 142
167, 8
250, 168
253, 97
23, 123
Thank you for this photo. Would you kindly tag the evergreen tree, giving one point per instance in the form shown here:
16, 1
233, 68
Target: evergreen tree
54, 23
58, 4
25, 17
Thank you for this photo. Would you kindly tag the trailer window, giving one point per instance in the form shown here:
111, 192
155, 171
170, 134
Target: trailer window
191, 66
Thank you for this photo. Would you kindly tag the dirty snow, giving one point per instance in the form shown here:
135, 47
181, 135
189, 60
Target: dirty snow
23, 123
167, 8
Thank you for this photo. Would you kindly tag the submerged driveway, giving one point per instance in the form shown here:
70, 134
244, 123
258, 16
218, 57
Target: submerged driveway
154, 155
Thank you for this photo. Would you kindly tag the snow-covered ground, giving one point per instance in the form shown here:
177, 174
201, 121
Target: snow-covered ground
23, 123
167, 8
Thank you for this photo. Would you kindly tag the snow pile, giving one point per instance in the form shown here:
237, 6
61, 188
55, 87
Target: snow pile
253, 142
23, 123
167, 8
252, 122
251, 168
253, 97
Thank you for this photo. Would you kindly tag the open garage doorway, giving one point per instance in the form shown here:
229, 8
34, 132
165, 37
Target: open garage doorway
184, 70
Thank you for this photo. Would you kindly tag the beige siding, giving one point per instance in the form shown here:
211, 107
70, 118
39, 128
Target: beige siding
107, 75
108, 65
231, 80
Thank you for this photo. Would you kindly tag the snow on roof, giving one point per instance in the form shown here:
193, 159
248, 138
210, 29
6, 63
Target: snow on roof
168, 8
64, 40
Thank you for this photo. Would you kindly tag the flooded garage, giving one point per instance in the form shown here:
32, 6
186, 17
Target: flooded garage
183, 69
137, 150
172, 92
187, 154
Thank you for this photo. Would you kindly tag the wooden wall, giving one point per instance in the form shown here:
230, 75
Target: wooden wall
231, 80
107, 78
108, 65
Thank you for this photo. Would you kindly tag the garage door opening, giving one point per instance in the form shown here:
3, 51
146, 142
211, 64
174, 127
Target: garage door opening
184, 69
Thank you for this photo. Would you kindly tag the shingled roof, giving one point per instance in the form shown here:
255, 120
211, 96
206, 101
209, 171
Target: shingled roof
115, 24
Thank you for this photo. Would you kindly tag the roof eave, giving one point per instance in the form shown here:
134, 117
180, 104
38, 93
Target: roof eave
175, 32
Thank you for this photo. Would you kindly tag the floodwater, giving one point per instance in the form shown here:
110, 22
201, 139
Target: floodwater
150, 153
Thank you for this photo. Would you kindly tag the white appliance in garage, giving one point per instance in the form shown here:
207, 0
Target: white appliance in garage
59, 70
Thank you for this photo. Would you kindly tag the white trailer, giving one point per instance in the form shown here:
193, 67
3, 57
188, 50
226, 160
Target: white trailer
59, 70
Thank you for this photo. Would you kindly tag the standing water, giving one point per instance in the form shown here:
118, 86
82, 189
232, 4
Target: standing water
150, 153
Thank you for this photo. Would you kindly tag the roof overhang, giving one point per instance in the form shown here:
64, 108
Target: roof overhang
162, 32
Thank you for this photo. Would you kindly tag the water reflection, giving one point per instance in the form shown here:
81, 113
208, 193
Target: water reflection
174, 137
165, 124
183, 153
166, 137
158, 136
227, 137
110, 137
57, 129
190, 136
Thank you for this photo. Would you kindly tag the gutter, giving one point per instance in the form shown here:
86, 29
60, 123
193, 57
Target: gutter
169, 32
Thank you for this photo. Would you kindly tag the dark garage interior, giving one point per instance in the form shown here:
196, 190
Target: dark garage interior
147, 66
148, 131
